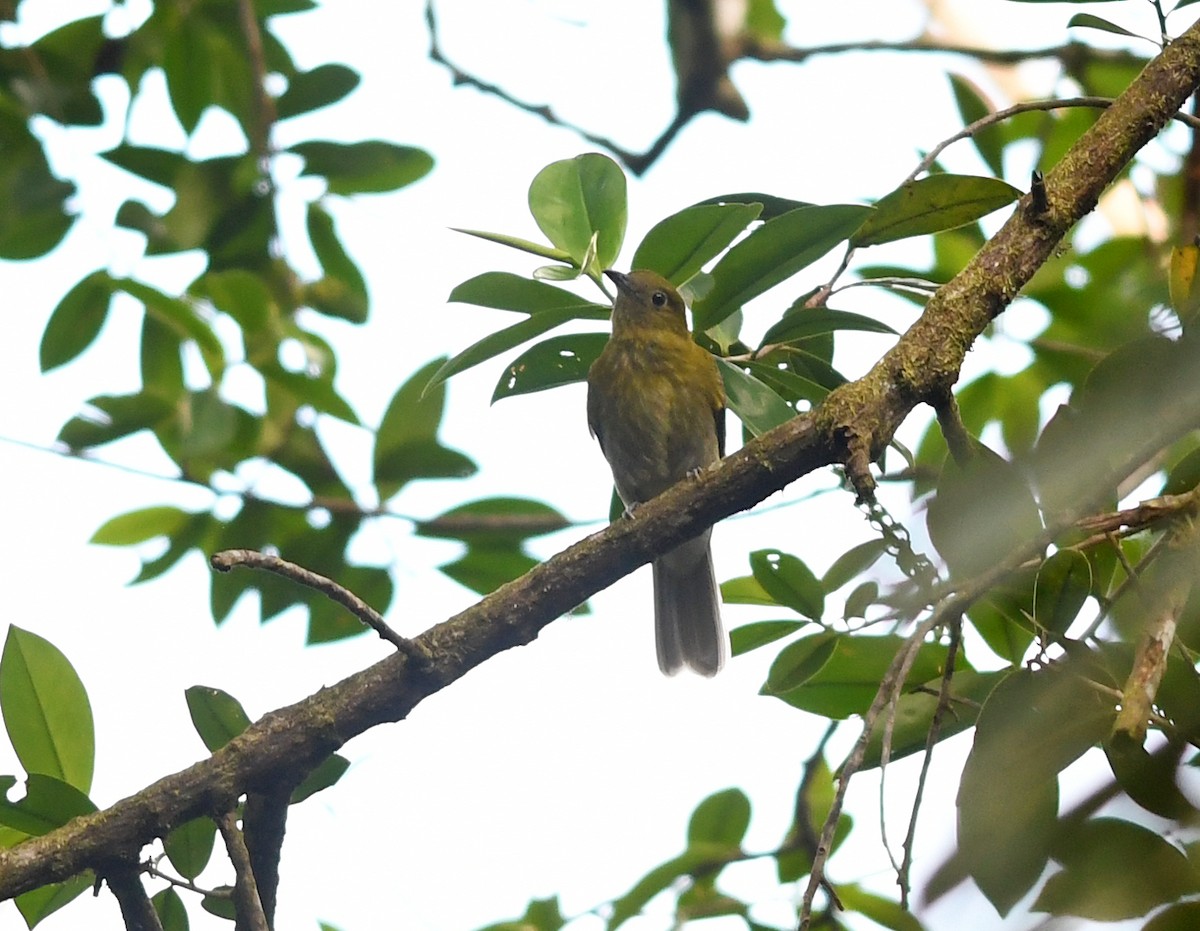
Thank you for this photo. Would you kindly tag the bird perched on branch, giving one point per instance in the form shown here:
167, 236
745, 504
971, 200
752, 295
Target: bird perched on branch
657, 406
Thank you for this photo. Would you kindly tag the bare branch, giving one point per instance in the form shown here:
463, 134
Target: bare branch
247, 906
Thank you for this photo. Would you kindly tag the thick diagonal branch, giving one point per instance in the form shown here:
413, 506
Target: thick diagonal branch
853, 424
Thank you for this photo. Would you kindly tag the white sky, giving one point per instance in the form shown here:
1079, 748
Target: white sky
568, 767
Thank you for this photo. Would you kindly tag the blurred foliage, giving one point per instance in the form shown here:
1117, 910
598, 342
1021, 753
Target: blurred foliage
1048, 651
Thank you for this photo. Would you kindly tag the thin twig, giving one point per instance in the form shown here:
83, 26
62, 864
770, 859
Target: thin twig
1027, 106
263, 115
931, 740
252, 559
246, 903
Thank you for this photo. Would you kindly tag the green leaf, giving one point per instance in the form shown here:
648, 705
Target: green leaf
746, 590
44, 901
46, 710
915, 710
35, 218
112, 417
406, 443
883, 911
505, 291
217, 716
679, 246
326, 774
493, 521
172, 914
76, 321
853, 562
758, 634
311, 90
182, 317
773, 253
721, 819
339, 268
557, 361
757, 406
370, 167
803, 322
484, 568
988, 492
837, 675
772, 206
190, 846
241, 294
49, 803
789, 581
1033, 725
1114, 870
573, 199
141, 525
516, 242
631, 903
1183, 916
973, 106
933, 204
1064, 582
1088, 21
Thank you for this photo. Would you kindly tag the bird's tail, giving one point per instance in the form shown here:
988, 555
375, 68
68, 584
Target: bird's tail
687, 619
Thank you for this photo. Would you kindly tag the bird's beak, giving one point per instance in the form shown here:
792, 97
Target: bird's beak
617, 278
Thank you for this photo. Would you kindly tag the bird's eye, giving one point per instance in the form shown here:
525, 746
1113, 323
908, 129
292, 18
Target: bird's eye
659, 298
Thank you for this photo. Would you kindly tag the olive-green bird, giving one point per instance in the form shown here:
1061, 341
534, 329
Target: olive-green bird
657, 406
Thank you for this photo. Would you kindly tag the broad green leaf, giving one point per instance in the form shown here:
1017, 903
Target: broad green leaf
860, 598
850, 564
217, 716
484, 568
1112, 870
76, 321
838, 675
758, 634
1088, 21
932, 204
505, 291
316, 391
973, 106
559, 360
501, 341
790, 385
406, 443
190, 846
44, 901
789, 581
1183, 916
160, 166
311, 90
542, 915
631, 903
803, 322
35, 217
182, 317
494, 521
772, 206
369, 167
746, 590
885, 912
1033, 725
773, 253
988, 492
679, 246
49, 803
915, 710
573, 199
1064, 582
516, 242
141, 525
756, 405
764, 21
172, 914
721, 819
241, 294
326, 774
46, 710
111, 417
338, 266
